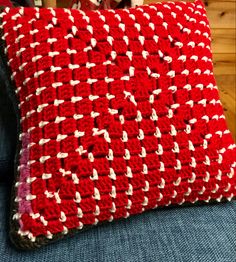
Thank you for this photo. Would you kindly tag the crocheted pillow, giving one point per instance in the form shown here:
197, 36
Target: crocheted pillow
119, 113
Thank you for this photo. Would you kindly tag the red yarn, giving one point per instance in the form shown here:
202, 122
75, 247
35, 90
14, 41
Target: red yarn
121, 112
5, 3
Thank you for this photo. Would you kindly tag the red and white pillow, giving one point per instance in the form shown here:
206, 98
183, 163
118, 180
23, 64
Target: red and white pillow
119, 113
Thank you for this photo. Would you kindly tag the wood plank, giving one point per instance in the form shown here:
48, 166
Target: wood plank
63, 3
50, 3
223, 41
224, 64
221, 14
227, 88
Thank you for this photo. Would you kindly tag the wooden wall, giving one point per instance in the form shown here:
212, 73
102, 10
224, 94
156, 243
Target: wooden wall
221, 15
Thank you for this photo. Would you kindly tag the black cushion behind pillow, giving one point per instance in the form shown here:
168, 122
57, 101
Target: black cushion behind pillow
8, 127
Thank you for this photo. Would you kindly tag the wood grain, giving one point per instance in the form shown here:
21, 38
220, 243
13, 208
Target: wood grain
223, 41
221, 14
49, 3
224, 64
227, 88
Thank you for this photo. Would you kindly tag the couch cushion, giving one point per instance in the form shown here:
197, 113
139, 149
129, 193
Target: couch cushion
7, 128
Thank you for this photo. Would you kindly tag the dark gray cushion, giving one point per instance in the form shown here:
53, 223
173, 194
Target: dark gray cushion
8, 128
7, 115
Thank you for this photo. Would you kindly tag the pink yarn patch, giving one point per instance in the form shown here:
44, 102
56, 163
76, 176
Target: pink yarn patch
24, 187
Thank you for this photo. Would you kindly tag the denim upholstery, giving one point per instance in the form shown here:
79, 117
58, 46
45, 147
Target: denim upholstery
183, 234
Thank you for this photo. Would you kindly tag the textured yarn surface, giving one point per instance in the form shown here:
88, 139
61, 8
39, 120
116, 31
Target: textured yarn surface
119, 113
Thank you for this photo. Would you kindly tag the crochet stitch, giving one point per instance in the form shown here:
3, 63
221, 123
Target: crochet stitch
119, 114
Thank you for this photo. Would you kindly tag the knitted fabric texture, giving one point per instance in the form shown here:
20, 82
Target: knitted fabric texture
119, 113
